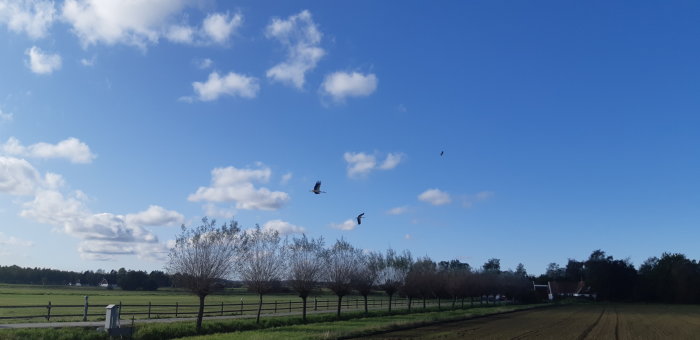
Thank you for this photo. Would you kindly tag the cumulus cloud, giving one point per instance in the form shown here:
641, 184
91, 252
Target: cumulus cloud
347, 225
340, 85
231, 84
18, 177
397, 210
301, 37
231, 184
103, 235
435, 197
141, 23
33, 17
71, 149
361, 164
14, 241
283, 227
156, 216
42, 63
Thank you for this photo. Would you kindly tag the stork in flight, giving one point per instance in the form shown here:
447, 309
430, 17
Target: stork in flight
360, 217
317, 188
442, 153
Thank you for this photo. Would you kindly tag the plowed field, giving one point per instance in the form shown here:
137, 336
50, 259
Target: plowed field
590, 321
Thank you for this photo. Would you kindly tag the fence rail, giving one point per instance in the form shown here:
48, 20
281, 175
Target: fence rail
97, 312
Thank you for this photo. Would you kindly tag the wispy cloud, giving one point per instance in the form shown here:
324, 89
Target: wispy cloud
361, 164
14, 241
397, 210
6, 116
347, 225
469, 200
301, 37
435, 197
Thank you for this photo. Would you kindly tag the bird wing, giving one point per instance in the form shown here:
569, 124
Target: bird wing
317, 187
359, 218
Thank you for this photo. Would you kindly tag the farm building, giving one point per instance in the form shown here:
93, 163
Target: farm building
562, 289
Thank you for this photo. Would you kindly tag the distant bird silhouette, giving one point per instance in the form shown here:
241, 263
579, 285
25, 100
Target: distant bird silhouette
442, 153
360, 217
317, 188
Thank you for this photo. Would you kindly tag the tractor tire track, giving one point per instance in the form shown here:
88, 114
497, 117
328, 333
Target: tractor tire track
590, 328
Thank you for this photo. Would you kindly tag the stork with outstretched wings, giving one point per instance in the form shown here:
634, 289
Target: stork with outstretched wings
360, 217
317, 188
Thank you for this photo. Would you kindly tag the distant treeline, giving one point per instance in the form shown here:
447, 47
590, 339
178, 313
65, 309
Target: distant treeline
673, 278
124, 279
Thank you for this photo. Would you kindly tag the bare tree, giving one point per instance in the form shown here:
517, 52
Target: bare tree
366, 274
305, 266
340, 267
394, 270
261, 262
203, 257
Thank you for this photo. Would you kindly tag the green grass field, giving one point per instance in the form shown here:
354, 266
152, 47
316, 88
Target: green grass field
137, 301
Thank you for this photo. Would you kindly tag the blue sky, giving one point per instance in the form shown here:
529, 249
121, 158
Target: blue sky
567, 127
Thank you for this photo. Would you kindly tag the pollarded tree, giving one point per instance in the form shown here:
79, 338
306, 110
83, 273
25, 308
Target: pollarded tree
202, 257
394, 270
261, 262
305, 259
365, 277
341, 262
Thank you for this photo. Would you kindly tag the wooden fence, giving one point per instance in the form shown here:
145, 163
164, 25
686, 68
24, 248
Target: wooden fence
288, 307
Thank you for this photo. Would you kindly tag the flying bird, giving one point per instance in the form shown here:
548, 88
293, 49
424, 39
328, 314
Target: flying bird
317, 188
442, 153
360, 217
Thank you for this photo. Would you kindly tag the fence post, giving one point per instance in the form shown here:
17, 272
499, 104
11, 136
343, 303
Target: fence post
48, 312
275, 307
149, 309
241, 306
315, 303
85, 311
222, 308
290, 306
176, 308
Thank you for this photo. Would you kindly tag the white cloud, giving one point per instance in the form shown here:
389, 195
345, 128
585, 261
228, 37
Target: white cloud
469, 200
286, 177
233, 184
283, 227
347, 225
232, 84
71, 149
361, 164
14, 241
435, 197
17, 176
408, 236
42, 63
33, 17
142, 23
156, 216
391, 161
204, 63
5, 116
103, 235
219, 27
88, 62
397, 210
340, 85
301, 37
214, 211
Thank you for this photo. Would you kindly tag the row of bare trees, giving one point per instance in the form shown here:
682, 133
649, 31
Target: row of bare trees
205, 255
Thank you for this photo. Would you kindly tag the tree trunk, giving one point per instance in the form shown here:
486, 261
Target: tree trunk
200, 314
410, 299
390, 303
257, 319
303, 309
424, 302
366, 310
340, 300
